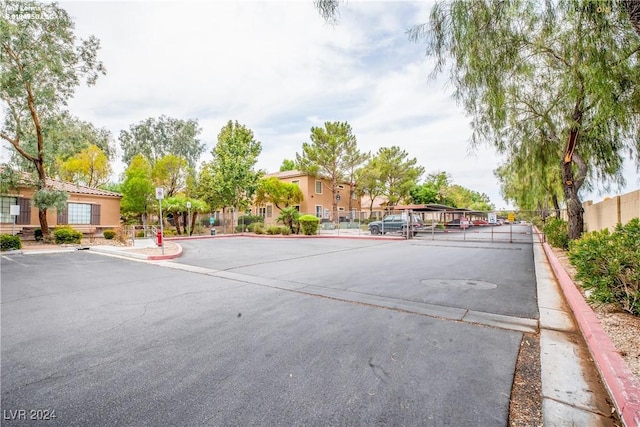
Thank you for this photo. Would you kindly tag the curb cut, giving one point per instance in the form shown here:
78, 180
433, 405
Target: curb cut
163, 257
623, 386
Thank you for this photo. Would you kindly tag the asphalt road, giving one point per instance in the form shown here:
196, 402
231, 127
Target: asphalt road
246, 331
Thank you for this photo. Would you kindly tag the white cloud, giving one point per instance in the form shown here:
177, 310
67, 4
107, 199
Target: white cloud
279, 69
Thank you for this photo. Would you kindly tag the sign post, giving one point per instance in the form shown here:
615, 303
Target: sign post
160, 197
14, 211
188, 218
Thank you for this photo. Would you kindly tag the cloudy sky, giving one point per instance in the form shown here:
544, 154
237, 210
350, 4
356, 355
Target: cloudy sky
279, 69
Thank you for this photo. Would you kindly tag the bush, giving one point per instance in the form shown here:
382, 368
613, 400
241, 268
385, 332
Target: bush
285, 231
309, 224
608, 265
9, 242
250, 219
109, 234
37, 234
557, 232
66, 235
140, 233
258, 228
253, 226
273, 229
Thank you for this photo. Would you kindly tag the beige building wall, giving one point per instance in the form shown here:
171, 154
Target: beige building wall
317, 197
109, 211
611, 211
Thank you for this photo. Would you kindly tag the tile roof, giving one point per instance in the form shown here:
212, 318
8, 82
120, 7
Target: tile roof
79, 189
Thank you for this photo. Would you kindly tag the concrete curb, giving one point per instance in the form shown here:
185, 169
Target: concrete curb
623, 386
171, 256
290, 236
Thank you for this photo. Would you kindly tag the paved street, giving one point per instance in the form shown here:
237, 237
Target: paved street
244, 331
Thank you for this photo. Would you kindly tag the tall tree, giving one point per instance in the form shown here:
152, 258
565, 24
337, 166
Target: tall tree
137, 189
435, 189
398, 173
66, 136
353, 161
287, 165
230, 179
559, 73
326, 154
280, 194
90, 167
155, 138
370, 184
170, 172
42, 63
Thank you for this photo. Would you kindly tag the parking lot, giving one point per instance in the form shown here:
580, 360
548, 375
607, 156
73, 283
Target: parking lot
244, 331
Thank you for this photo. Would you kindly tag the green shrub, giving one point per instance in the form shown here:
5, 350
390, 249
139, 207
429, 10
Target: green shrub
169, 232
109, 234
140, 233
254, 225
37, 234
557, 232
240, 228
285, 231
608, 265
309, 224
250, 219
273, 229
9, 242
67, 235
259, 229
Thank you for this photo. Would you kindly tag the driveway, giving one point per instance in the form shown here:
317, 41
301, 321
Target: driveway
244, 331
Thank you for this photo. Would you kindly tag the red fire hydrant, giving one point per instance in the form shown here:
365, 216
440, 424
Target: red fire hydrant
159, 238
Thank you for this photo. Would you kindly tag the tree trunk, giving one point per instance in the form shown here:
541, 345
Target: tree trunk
44, 225
194, 215
176, 221
185, 223
556, 205
571, 185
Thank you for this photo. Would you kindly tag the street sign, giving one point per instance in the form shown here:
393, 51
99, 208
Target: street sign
211, 220
14, 210
492, 218
159, 193
188, 205
511, 217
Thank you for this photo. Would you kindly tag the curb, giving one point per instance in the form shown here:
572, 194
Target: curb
171, 256
290, 236
623, 386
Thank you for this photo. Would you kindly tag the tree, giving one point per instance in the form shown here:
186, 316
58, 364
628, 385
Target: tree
353, 161
230, 180
137, 189
435, 189
287, 165
464, 198
326, 154
41, 65
155, 138
170, 172
177, 206
90, 168
397, 173
66, 137
280, 194
561, 74
370, 184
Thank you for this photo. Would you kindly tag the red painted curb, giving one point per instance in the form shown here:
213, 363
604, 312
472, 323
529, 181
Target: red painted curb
618, 378
161, 257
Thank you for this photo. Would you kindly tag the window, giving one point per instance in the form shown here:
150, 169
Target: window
79, 213
319, 211
341, 187
296, 182
269, 211
262, 212
318, 187
5, 213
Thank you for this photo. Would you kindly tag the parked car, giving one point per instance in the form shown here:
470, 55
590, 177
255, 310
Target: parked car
395, 223
456, 223
479, 222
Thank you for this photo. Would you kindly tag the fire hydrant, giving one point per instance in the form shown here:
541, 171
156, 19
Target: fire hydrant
159, 238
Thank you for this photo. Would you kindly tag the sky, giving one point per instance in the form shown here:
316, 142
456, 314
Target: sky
280, 69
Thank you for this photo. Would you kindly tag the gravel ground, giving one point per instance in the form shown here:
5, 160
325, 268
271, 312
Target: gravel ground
623, 328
